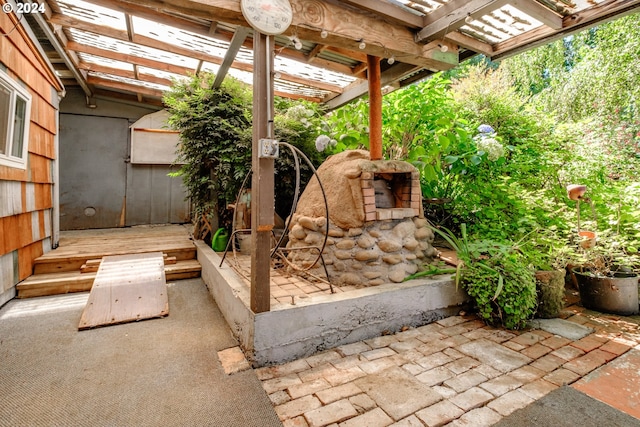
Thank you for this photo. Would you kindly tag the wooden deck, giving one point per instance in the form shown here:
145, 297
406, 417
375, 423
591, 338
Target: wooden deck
60, 270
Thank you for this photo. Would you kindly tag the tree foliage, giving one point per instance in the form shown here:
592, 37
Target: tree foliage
215, 137
216, 140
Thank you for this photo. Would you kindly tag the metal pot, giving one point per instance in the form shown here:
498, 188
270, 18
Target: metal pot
618, 295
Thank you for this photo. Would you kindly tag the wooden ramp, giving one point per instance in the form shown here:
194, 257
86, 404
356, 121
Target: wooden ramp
127, 288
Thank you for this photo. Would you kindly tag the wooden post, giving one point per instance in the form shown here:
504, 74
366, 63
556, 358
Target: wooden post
262, 192
375, 108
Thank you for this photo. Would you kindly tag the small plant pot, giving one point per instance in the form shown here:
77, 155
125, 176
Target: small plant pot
576, 191
617, 295
587, 239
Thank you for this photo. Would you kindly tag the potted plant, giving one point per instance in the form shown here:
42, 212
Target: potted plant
606, 276
549, 257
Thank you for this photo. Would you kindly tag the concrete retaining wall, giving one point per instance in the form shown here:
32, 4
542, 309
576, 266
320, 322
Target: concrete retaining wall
325, 321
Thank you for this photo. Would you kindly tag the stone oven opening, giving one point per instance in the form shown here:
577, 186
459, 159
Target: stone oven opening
390, 195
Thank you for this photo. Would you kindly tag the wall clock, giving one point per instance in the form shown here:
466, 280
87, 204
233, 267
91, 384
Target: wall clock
270, 17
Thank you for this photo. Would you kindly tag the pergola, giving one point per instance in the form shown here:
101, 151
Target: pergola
333, 53
131, 49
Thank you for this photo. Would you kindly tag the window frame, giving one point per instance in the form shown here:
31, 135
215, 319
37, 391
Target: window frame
15, 91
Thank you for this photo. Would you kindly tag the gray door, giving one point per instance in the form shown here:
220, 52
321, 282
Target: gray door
93, 152
153, 197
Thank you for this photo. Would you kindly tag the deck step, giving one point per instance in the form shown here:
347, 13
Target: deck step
74, 262
64, 282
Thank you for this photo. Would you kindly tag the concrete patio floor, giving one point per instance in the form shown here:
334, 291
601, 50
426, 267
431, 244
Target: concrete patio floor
460, 372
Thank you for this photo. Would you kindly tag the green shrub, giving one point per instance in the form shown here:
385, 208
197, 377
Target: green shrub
216, 140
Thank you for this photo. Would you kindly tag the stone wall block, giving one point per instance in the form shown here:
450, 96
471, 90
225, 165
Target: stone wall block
392, 259
389, 245
367, 255
410, 243
404, 229
298, 232
321, 223
430, 251
353, 232
339, 266
366, 242
410, 268
336, 232
381, 252
421, 222
349, 279
424, 233
308, 223
314, 239
372, 274
346, 244
342, 255
397, 273
386, 225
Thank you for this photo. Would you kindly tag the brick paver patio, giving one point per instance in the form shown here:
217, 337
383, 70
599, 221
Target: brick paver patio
455, 372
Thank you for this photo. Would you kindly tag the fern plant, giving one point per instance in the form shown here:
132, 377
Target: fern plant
497, 278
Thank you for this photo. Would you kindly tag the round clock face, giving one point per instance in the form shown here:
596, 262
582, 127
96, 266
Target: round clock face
269, 17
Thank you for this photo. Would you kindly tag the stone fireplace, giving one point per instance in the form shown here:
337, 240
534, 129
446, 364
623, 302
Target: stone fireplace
377, 232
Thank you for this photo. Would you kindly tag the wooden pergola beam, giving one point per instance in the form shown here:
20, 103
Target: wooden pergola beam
97, 81
194, 27
451, 17
470, 43
132, 59
129, 98
236, 43
134, 75
360, 88
539, 12
389, 11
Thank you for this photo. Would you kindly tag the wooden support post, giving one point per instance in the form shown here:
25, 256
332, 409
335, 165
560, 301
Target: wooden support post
262, 192
375, 108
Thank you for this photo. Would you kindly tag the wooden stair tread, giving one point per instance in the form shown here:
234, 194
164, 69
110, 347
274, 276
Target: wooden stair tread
75, 281
58, 262
92, 265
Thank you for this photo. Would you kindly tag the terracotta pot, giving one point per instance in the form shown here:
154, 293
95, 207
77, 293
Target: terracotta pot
575, 191
587, 239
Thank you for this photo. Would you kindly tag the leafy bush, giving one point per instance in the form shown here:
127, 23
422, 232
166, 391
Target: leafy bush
497, 277
215, 135
216, 140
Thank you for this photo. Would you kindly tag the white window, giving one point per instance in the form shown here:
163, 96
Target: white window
15, 108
